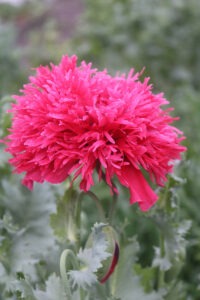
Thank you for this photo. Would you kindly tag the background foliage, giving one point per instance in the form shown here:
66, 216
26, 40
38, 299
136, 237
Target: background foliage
163, 36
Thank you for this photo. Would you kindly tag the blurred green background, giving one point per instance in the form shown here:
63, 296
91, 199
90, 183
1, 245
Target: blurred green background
162, 36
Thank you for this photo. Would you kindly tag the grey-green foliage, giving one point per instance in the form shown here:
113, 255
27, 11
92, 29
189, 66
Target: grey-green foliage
91, 259
125, 282
52, 290
11, 72
27, 243
163, 36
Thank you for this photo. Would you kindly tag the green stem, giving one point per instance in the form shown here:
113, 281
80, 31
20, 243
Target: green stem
112, 208
78, 222
98, 205
114, 199
166, 202
161, 273
67, 258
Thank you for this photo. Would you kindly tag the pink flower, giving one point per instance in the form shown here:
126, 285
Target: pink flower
71, 120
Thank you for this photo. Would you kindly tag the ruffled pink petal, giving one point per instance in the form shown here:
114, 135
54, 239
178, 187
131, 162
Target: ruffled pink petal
140, 191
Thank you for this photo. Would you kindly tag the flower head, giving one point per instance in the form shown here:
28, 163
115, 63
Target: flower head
72, 120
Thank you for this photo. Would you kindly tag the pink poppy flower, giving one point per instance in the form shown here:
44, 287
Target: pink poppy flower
73, 120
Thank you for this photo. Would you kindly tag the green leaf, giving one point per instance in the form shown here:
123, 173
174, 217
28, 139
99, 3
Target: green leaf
175, 240
147, 276
53, 290
27, 233
125, 283
7, 223
23, 289
163, 263
99, 246
64, 220
91, 259
5, 117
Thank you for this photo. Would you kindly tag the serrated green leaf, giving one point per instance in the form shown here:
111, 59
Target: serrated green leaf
29, 211
53, 290
125, 283
175, 240
99, 246
84, 277
162, 262
176, 290
6, 280
147, 276
23, 290
5, 245
64, 220
90, 259
7, 223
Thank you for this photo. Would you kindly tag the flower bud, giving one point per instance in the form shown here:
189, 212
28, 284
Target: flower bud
109, 264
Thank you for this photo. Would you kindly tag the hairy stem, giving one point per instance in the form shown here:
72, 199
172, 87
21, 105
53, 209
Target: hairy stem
161, 273
67, 258
98, 205
112, 208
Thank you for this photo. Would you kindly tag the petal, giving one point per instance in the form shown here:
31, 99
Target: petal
113, 263
28, 183
140, 191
